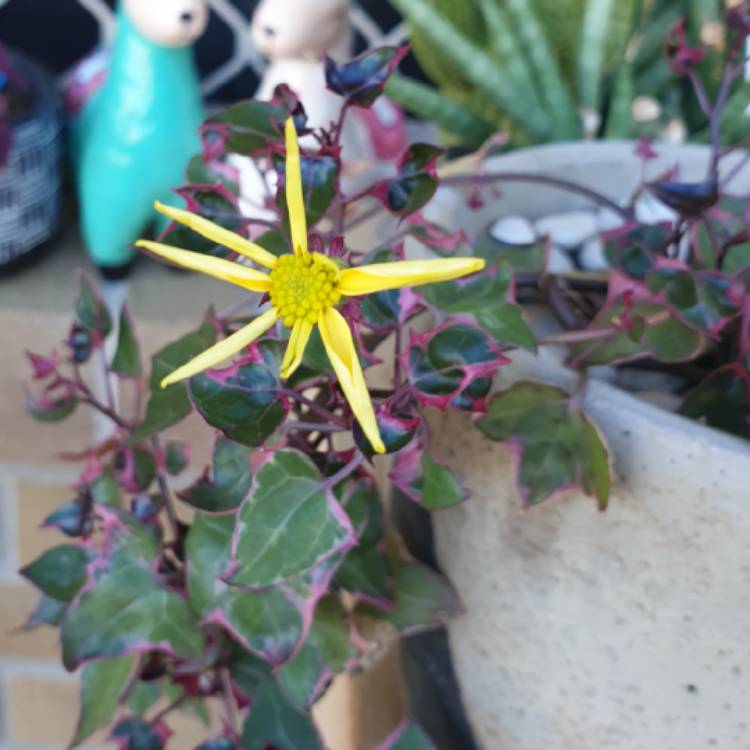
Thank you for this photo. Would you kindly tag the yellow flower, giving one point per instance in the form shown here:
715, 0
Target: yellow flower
304, 289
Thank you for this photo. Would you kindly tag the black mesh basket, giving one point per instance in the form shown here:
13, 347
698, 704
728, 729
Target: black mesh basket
30, 182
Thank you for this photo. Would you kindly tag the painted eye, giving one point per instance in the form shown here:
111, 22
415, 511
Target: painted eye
186, 17
269, 31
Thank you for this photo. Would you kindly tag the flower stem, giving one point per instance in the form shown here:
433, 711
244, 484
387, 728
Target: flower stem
343, 473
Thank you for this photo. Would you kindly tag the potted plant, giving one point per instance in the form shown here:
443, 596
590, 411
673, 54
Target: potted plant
606, 630
560, 70
283, 574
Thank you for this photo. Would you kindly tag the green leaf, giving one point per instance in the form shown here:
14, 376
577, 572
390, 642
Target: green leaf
485, 300
136, 734
243, 401
722, 401
252, 125
439, 487
170, 405
424, 599
275, 722
452, 365
521, 258
101, 685
555, 447
143, 696
105, 490
408, 737
127, 359
48, 611
320, 180
365, 573
288, 524
128, 608
270, 623
325, 653
361, 80
176, 456
415, 184
51, 409
60, 572
231, 480
91, 311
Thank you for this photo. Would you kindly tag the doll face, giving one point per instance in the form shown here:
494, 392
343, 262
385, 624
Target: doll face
168, 23
283, 29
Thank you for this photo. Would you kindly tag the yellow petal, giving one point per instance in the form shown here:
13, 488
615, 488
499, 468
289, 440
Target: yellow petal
295, 349
380, 276
294, 198
218, 234
226, 270
224, 349
339, 345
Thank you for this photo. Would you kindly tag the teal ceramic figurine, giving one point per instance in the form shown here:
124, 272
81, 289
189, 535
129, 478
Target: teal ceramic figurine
133, 138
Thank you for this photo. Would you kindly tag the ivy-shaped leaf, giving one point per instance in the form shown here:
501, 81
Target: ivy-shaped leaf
424, 599
126, 608
554, 446
91, 312
244, 401
60, 572
230, 483
248, 127
127, 359
136, 734
486, 301
325, 652
275, 722
361, 80
270, 623
425, 481
415, 184
51, 409
167, 406
452, 365
320, 180
289, 523
101, 685
408, 736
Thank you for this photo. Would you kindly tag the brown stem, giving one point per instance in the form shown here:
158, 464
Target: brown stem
176, 703
165, 492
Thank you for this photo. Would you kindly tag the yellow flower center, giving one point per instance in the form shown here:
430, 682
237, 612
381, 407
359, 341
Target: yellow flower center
304, 286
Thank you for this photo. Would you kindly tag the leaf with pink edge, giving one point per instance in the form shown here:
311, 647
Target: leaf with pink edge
101, 685
424, 599
137, 734
271, 622
244, 401
125, 607
289, 523
362, 80
168, 406
634, 323
555, 447
426, 481
59, 572
415, 184
452, 365
232, 477
248, 127
486, 301
127, 359
273, 721
722, 401
408, 736
51, 409
91, 311
326, 652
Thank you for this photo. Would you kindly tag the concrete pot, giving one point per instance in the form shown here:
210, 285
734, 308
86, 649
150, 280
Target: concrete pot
626, 630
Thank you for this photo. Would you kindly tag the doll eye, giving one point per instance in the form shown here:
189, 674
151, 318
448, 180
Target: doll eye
269, 31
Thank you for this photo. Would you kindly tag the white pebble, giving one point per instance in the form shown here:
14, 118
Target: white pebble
592, 257
568, 230
649, 210
513, 230
607, 219
558, 261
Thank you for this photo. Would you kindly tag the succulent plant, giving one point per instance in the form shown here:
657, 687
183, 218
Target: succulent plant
550, 70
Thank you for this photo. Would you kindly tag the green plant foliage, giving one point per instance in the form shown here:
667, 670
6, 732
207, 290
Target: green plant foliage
543, 428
